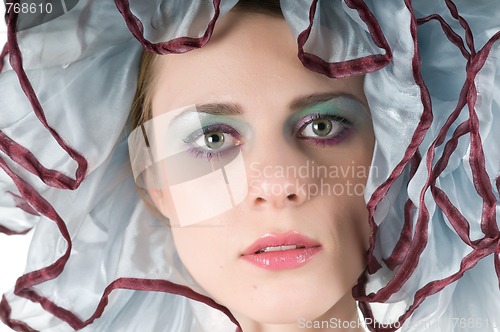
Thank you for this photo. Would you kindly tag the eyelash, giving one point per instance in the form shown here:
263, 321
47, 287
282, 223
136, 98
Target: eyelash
302, 124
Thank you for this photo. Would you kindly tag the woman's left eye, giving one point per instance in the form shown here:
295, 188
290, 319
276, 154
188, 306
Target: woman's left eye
323, 127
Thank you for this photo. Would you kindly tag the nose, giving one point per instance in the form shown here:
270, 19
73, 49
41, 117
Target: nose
276, 193
274, 180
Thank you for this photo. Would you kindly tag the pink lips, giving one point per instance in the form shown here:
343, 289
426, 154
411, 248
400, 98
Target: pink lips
281, 251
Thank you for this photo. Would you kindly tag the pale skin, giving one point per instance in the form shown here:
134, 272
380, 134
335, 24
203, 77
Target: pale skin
251, 62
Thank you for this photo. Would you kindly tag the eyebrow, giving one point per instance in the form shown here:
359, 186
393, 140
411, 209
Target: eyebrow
213, 109
220, 109
302, 102
296, 104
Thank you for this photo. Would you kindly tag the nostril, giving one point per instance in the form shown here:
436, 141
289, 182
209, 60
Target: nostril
260, 200
292, 197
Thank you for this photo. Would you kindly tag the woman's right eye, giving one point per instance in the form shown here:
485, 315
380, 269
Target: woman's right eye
213, 141
216, 140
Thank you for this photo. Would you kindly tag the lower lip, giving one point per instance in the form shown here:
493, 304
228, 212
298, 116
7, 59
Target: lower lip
282, 260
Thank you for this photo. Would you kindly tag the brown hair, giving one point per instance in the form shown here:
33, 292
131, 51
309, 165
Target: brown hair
141, 109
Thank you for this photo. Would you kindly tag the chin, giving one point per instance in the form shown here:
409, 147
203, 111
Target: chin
289, 313
294, 301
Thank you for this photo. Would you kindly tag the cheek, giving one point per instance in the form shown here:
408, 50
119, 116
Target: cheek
350, 240
357, 230
352, 202
192, 244
200, 249
350, 165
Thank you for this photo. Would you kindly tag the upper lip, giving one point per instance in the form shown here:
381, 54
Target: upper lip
280, 239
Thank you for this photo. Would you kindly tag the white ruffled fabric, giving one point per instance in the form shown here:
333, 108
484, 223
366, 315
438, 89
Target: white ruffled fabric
98, 242
472, 302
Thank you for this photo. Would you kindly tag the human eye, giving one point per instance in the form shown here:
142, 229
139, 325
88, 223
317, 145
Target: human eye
324, 129
214, 141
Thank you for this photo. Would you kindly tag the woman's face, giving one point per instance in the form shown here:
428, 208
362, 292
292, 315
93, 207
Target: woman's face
295, 245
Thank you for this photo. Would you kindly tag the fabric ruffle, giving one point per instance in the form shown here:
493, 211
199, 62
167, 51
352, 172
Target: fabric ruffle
99, 260
436, 219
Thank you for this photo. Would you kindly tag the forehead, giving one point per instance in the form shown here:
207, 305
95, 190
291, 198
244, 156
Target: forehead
250, 60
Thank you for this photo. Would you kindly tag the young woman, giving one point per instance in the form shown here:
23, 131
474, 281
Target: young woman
252, 188
299, 235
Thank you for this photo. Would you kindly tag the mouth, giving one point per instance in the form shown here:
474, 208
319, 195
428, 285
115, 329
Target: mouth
281, 251
279, 248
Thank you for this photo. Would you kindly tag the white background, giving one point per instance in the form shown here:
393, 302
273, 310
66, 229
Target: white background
13, 249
